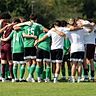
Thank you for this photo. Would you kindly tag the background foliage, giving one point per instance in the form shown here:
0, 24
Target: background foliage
49, 10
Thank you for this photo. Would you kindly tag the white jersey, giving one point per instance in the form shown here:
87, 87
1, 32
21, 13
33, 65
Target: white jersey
57, 41
77, 40
90, 37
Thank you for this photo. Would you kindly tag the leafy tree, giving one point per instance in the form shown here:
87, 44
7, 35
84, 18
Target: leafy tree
50, 10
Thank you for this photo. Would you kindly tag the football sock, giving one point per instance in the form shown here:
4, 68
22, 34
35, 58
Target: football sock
48, 72
38, 70
32, 69
22, 71
3, 70
15, 68
11, 70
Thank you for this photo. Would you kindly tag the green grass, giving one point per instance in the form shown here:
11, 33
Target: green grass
47, 89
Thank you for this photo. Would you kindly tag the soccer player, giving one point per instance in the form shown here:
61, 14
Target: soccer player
33, 29
16, 38
77, 50
66, 59
6, 56
30, 35
43, 55
66, 54
76, 37
56, 48
89, 56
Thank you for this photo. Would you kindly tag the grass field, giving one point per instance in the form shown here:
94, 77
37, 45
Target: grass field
47, 89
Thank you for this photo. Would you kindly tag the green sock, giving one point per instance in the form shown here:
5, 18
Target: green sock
28, 68
48, 72
42, 68
38, 69
82, 72
22, 71
63, 71
69, 72
15, 68
32, 69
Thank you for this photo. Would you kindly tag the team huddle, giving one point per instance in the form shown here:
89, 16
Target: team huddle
29, 44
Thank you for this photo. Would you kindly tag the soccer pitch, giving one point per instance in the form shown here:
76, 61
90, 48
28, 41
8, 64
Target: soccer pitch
47, 89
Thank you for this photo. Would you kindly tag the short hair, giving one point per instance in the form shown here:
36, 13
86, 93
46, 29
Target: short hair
33, 16
16, 20
57, 23
5, 15
64, 23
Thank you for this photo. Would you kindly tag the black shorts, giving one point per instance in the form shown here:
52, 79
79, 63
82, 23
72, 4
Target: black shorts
18, 58
30, 53
90, 51
66, 58
77, 56
42, 55
57, 55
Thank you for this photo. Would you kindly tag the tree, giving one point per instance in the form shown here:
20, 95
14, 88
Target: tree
89, 8
50, 10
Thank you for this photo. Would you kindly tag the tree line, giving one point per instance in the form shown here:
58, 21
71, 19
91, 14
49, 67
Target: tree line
50, 10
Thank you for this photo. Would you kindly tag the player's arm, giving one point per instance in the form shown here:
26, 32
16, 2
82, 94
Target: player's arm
45, 29
40, 40
17, 28
89, 28
24, 23
29, 36
74, 28
5, 39
4, 28
60, 33
8, 38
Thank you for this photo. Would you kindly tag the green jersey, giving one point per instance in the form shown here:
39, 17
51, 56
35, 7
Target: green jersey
67, 45
35, 29
28, 42
46, 44
17, 41
41, 27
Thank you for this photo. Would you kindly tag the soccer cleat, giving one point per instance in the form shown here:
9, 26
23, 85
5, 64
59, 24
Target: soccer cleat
13, 80
55, 80
63, 78
33, 80
92, 79
82, 79
85, 79
29, 79
16, 80
3, 80
39, 80
22, 80
47, 80
72, 80
78, 80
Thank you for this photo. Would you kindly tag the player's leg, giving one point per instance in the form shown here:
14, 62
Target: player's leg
33, 63
3, 62
59, 56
